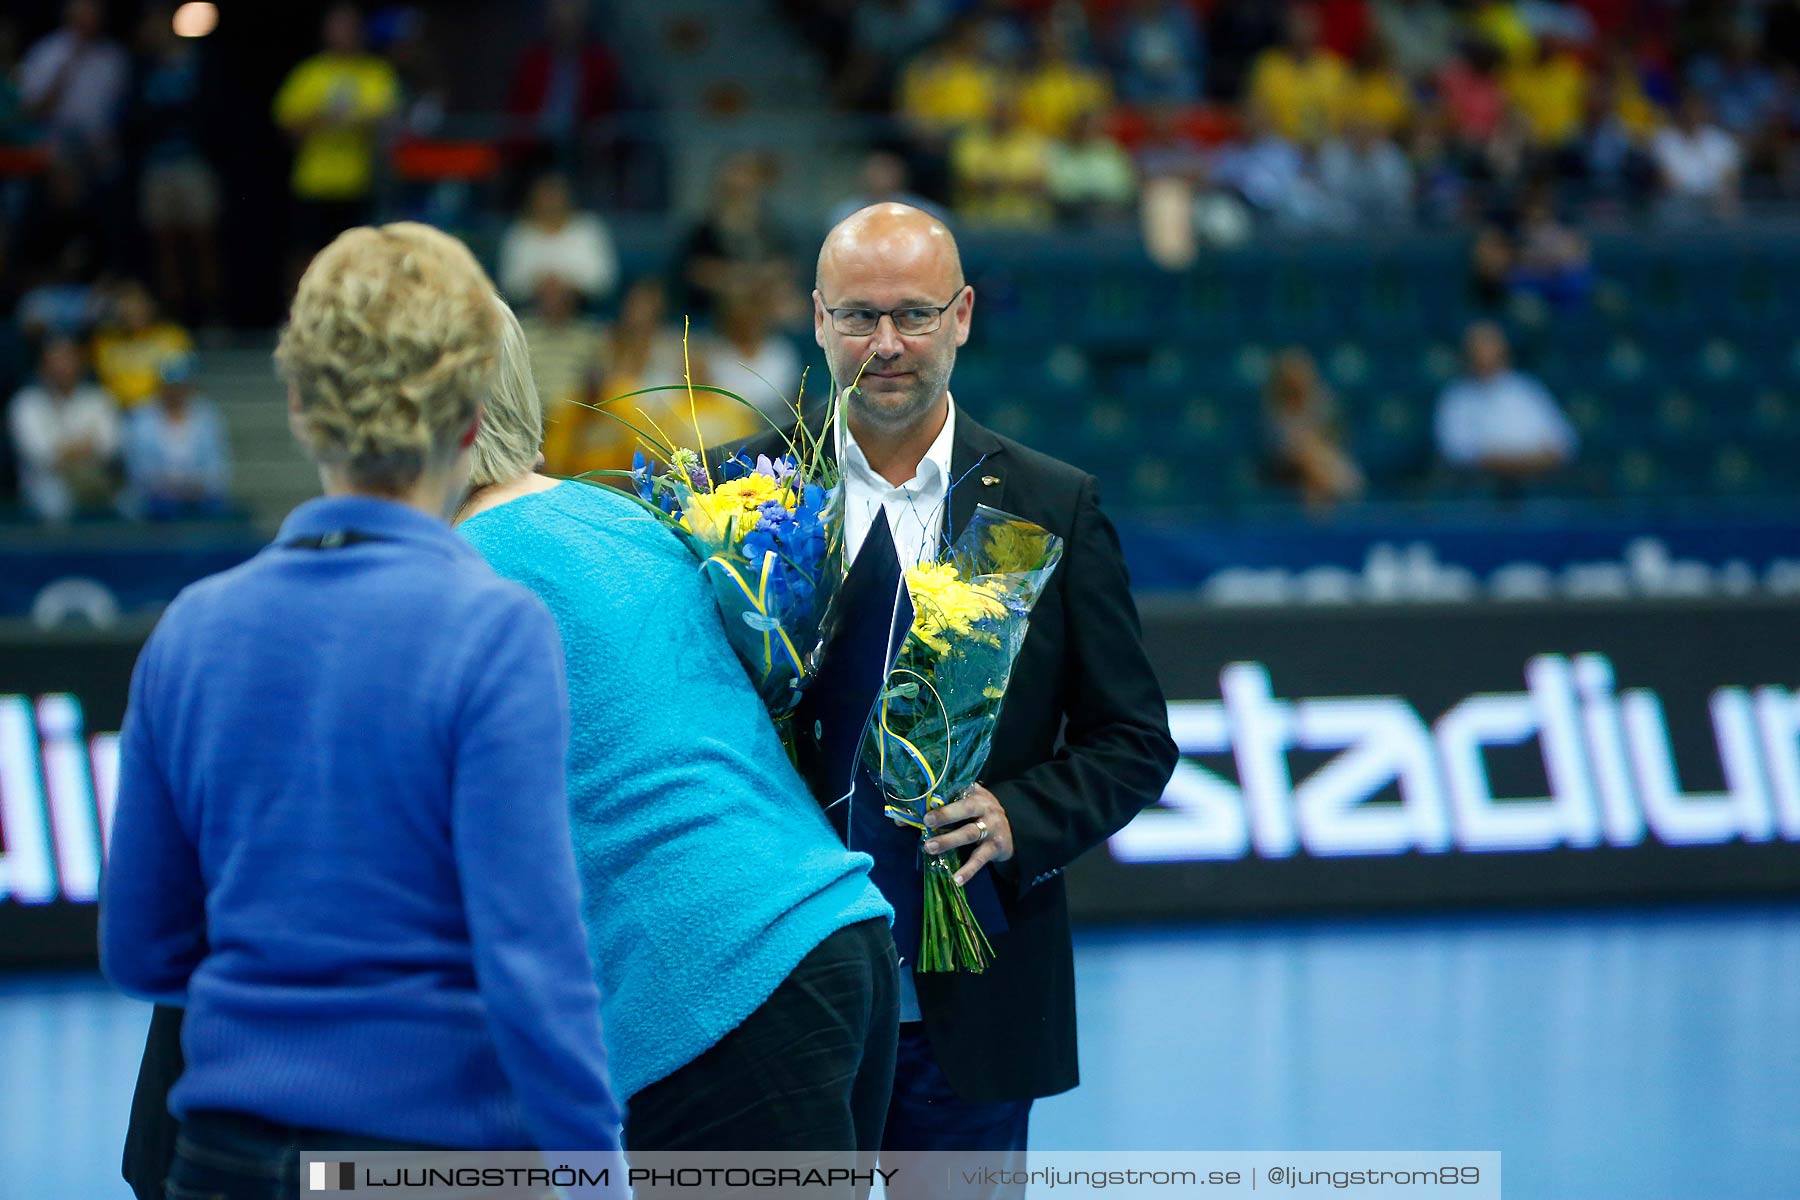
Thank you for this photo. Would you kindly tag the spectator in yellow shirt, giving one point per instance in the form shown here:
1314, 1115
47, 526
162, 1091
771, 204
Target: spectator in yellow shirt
1631, 103
951, 87
1302, 87
130, 349
332, 105
1000, 172
1551, 92
1059, 91
1379, 96
1500, 24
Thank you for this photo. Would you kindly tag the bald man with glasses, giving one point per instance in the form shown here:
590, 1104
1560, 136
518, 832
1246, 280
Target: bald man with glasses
1083, 741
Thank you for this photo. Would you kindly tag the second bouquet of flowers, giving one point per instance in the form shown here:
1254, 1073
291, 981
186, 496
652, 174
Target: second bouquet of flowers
935, 720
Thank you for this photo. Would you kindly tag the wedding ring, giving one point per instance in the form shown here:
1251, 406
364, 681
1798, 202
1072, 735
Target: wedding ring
982, 826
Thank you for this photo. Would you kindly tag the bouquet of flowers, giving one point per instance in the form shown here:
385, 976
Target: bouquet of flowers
769, 535
935, 720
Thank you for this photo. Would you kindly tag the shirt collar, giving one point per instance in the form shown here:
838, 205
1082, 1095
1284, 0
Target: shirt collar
388, 520
933, 468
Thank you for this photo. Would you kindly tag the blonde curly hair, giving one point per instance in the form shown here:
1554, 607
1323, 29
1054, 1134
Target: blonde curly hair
389, 352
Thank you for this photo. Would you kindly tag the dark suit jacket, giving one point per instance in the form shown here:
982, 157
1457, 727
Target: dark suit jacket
1082, 745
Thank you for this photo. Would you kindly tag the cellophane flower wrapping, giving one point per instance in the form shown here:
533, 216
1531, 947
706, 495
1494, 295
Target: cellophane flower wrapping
935, 722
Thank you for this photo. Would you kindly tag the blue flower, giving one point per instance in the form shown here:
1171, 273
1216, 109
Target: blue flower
735, 467
640, 476
649, 488
797, 540
758, 544
779, 469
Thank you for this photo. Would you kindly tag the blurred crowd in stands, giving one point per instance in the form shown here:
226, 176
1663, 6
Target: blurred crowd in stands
1492, 423
112, 193
1341, 115
724, 317
109, 422
1526, 124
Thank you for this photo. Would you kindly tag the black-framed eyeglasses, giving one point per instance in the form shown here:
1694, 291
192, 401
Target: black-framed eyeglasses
908, 322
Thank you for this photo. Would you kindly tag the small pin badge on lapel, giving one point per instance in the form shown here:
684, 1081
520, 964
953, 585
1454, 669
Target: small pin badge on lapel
989, 480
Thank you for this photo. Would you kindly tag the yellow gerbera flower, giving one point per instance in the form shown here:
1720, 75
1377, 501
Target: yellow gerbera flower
730, 510
945, 606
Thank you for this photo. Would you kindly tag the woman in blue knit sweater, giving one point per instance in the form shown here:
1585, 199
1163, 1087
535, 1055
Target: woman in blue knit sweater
342, 838
748, 980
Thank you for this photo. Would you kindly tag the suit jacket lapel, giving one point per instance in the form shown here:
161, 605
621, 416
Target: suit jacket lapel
977, 473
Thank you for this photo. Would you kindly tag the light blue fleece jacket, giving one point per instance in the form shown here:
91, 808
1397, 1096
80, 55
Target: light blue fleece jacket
708, 870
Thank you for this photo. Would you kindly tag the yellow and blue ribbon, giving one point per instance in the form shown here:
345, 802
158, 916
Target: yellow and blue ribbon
902, 811
758, 598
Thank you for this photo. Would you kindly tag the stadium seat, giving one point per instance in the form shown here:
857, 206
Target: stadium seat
1630, 471
1678, 420
1684, 383
1391, 439
1773, 415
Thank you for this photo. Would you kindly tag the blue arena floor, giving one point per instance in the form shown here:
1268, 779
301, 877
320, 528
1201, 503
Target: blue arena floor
1609, 1055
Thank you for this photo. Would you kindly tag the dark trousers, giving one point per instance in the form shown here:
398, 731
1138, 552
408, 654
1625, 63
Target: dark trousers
150, 1138
927, 1114
810, 1070
230, 1156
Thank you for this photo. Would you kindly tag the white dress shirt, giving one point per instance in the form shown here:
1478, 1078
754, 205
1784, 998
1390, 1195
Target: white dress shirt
915, 509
